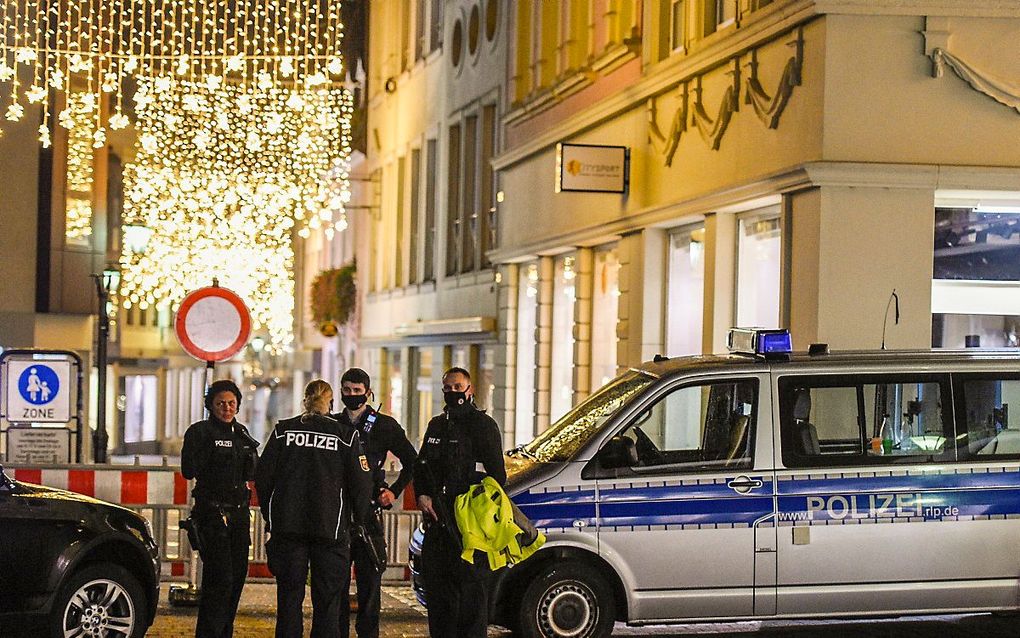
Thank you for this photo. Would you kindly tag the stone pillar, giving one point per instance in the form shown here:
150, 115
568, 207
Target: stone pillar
584, 289
505, 372
845, 261
642, 294
543, 343
720, 277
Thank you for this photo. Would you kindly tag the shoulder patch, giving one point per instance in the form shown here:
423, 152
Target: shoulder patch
364, 462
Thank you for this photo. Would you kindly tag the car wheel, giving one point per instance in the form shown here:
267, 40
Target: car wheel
101, 600
567, 600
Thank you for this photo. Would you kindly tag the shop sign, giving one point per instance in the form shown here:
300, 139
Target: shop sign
592, 169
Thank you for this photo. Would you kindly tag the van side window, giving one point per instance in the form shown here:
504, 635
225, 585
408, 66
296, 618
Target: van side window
695, 428
986, 429
861, 420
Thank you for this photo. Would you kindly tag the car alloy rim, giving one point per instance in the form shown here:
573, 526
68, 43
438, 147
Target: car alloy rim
99, 609
567, 610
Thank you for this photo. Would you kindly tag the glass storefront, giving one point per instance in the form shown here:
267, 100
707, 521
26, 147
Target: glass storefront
685, 291
562, 383
527, 307
605, 314
759, 245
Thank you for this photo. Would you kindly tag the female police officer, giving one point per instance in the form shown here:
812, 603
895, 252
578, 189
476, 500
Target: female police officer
220, 454
313, 479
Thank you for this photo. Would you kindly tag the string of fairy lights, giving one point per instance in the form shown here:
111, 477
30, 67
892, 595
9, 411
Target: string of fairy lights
241, 123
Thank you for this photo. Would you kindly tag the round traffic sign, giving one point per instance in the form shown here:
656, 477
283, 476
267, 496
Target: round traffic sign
212, 324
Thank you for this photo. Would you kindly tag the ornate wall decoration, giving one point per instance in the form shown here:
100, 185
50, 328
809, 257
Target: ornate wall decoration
712, 131
770, 108
998, 89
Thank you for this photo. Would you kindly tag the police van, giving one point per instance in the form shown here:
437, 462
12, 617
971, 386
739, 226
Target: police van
769, 484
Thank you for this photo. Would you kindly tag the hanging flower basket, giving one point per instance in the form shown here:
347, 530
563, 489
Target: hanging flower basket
333, 297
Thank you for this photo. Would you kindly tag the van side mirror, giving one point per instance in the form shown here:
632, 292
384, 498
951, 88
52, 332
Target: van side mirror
618, 452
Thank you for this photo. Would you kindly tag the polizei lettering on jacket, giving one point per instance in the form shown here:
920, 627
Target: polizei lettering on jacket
313, 439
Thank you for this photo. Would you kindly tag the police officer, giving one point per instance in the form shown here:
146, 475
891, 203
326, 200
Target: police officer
220, 454
312, 479
380, 435
461, 446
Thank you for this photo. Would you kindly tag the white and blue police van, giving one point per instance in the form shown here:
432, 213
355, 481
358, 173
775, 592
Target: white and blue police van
768, 484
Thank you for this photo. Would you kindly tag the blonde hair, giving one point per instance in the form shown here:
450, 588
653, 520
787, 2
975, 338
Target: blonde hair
318, 396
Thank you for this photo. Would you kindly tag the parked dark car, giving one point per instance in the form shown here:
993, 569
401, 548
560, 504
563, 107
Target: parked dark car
71, 565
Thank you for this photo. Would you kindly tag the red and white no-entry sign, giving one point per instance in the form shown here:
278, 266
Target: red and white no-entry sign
212, 324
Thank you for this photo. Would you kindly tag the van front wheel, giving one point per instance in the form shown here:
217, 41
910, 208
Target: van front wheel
567, 600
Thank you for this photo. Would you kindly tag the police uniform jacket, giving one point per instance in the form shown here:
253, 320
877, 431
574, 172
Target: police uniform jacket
380, 434
313, 478
458, 451
222, 458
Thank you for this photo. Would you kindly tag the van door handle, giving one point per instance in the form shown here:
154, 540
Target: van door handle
743, 484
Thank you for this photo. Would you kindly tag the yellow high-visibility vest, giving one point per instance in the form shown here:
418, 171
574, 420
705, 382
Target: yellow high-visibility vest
485, 518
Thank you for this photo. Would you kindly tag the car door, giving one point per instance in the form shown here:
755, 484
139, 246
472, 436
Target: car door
873, 515
28, 530
683, 490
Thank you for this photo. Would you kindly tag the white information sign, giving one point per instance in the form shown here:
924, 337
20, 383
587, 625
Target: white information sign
39, 445
38, 391
588, 168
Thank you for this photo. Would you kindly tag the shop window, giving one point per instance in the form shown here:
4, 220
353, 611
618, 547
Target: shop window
527, 308
605, 303
836, 421
758, 270
485, 384
140, 406
976, 277
394, 401
562, 385
425, 386
685, 292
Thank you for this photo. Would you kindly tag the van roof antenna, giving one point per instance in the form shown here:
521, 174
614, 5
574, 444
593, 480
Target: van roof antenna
885, 321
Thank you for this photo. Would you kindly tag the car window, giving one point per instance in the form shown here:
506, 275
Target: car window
696, 428
863, 420
569, 434
986, 429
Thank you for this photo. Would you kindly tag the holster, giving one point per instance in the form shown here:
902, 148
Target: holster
375, 542
191, 526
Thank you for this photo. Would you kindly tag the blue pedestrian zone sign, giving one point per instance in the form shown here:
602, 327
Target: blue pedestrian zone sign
37, 390
39, 385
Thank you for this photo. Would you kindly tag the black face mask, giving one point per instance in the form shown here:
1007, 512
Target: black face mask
456, 401
354, 401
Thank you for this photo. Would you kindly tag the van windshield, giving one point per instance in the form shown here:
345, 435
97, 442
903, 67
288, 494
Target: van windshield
565, 437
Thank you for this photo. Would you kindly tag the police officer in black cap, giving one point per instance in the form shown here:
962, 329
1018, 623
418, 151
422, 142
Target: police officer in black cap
313, 482
380, 435
461, 446
220, 454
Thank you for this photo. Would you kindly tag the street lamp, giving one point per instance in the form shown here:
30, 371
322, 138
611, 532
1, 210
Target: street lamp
106, 284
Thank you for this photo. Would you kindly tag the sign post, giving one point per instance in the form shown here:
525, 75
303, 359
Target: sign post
212, 324
40, 396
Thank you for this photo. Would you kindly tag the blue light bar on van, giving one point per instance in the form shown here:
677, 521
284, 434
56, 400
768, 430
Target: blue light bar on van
759, 342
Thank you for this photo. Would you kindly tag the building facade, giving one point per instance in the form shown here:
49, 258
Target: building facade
842, 168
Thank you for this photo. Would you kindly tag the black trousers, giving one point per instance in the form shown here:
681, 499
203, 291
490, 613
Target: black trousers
224, 568
369, 583
290, 560
456, 591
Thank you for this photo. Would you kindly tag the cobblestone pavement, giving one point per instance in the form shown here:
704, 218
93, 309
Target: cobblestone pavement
404, 618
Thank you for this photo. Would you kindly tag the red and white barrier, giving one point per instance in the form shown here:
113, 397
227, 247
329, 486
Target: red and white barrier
128, 486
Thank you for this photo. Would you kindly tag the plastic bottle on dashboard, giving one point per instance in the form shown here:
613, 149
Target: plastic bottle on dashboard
886, 435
